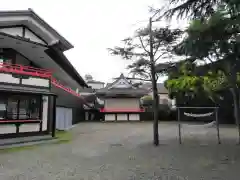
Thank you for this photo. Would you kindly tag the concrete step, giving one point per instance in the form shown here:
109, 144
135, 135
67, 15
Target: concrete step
24, 140
28, 144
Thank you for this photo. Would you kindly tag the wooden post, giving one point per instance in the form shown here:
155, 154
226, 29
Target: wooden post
179, 126
53, 115
217, 125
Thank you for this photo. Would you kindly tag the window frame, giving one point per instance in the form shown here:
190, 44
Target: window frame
8, 55
28, 97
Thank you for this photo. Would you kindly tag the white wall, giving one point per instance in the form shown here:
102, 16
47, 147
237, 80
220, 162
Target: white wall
29, 128
163, 98
8, 78
122, 117
173, 103
32, 81
45, 113
64, 118
36, 82
134, 117
109, 117
122, 103
96, 85
33, 37
7, 129
15, 31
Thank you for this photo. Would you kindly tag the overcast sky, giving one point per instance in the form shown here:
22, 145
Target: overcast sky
91, 26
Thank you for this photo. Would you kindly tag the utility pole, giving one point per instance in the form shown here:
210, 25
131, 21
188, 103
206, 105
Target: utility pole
154, 87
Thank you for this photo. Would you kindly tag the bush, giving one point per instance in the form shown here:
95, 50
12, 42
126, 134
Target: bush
164, 113
173, 114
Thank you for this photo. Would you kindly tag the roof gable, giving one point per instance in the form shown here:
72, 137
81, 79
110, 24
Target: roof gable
36, 24
121, 87
23, 32
121, 83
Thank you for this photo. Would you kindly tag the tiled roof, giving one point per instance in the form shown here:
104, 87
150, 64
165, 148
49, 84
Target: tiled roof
97, 82
128, 90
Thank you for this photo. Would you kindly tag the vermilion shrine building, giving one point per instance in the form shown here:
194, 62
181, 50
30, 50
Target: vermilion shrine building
121, 100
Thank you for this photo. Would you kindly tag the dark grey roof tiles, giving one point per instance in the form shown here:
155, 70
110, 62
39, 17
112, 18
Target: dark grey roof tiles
118, 91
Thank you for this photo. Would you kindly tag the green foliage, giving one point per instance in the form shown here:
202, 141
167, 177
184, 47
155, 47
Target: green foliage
189, 84
209, 38
62, 136
209, 85
147, 100
212, 37
214, 82
198, 9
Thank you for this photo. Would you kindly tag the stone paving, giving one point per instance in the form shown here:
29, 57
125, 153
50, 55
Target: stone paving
124, 151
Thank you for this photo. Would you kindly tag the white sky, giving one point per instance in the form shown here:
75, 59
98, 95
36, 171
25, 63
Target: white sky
91, 26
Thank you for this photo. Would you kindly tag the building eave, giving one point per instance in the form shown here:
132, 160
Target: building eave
63, 62
66, 45
61, 41
27, 90
95, 82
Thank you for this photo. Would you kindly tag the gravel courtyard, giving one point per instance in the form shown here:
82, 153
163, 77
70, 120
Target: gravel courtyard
124, 151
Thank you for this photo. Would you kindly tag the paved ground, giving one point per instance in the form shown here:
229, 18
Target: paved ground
123, 151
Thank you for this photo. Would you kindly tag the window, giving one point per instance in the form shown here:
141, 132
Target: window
20, 107
7, 55
3, 106
11, 56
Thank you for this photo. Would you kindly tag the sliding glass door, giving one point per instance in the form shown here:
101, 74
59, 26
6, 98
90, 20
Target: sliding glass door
20, 107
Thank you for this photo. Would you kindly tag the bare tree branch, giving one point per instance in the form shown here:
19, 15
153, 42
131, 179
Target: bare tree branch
210, 59
137, 50
161, 55
143, 45
140, 79
156, 50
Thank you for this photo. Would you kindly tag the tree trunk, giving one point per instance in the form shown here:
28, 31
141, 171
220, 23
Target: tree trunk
235, 103
155, 112
154, 88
